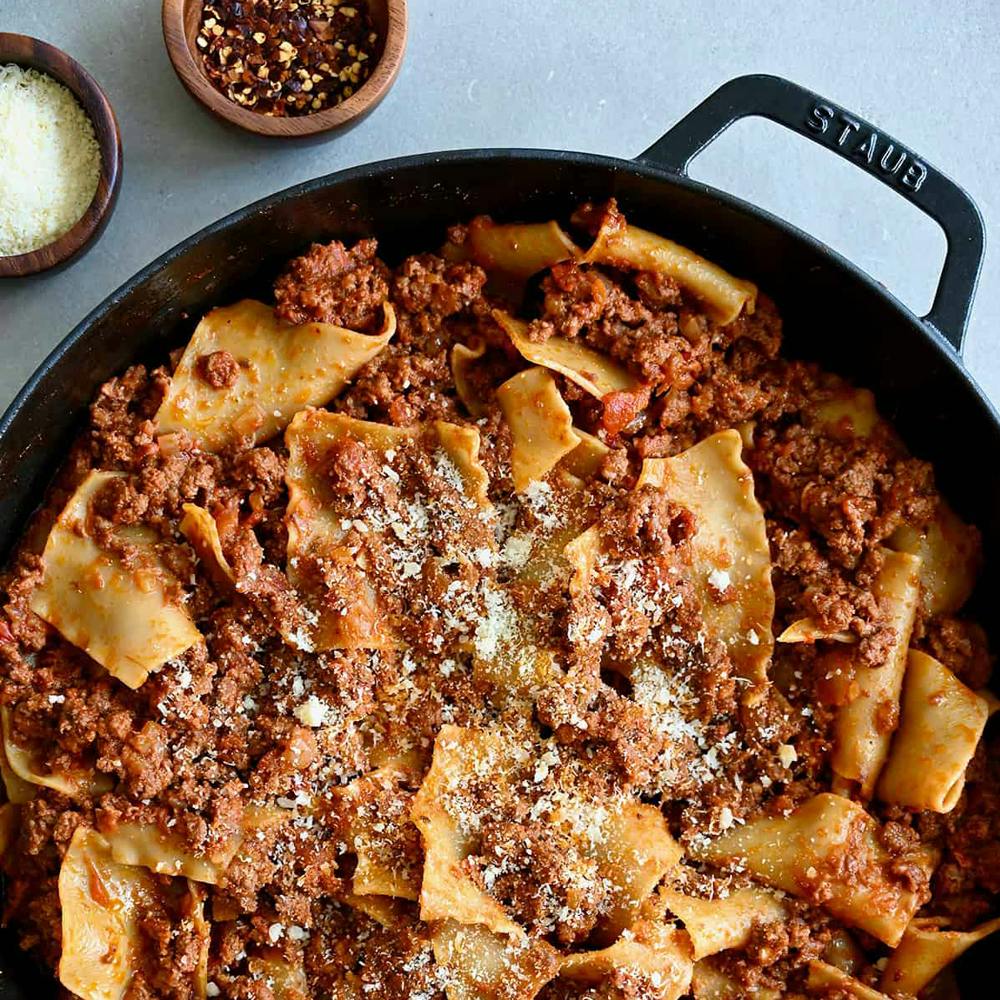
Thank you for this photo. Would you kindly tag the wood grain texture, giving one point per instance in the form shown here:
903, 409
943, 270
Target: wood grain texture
35, 54
181, 19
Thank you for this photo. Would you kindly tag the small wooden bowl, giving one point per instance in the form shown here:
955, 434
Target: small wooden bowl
181, 20
32, 53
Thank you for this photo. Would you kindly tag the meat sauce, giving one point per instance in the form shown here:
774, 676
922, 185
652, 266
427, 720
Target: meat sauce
195, 745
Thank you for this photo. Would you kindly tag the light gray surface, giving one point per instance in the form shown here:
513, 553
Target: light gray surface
606, 77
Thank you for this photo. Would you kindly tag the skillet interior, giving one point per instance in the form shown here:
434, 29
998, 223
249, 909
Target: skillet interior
833, 314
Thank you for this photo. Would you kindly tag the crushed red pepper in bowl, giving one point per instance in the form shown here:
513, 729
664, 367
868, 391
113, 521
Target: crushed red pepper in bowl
284, 58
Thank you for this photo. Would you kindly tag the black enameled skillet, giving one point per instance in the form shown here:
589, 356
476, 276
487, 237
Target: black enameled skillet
834, 313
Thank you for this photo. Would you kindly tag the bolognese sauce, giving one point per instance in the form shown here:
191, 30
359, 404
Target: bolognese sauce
517, 621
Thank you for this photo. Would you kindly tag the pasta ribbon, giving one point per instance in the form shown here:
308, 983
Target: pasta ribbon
926, 949
350, 610
517, 667
825, 978
585, 460
201, 530
145, 845
282, 370
635, 850
657, 959
463, 357
849, 412
519, 249
445, 893
203, 933
589, 369
17, 788
843, 952
375, 810
861, 741
941, 723
992, 701
384, 910
631, 248
540, 424
721, 923
949, 555
709, 982
518, 664
807, 853
102, 904
119, 615
461, 446
807, 630
732, 558
630, 842
478, 964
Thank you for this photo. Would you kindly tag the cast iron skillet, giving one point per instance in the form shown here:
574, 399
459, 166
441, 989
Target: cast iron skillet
834, 313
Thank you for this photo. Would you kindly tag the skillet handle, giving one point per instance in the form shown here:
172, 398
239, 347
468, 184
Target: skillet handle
856, 140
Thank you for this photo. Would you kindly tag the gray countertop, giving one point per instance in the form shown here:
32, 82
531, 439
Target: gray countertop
604, 77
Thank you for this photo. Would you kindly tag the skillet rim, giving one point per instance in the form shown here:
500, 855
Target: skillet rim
945, 352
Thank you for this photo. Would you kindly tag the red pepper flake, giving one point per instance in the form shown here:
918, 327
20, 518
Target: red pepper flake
285, 58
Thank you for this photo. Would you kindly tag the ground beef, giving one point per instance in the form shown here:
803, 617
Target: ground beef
218, 369
121, 426
586, 304
809, 585
437, 305
401, 388
611, 729
171, 479
331, 284
776, 951
120, 502
20, 625
658, 291
539, 875
852, 493
961, 646
429, 289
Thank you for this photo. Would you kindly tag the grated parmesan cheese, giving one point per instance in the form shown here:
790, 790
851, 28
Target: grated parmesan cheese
312, 713
50, 162
497, 624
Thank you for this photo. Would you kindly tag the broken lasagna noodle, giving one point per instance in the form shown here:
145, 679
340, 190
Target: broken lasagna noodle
515, 622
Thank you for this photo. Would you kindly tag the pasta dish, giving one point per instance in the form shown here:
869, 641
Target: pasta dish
513, 622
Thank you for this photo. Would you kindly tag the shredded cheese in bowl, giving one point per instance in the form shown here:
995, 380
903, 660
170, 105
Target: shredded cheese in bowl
50, 161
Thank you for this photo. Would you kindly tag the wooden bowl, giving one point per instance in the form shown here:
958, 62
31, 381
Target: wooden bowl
32, 53
181, 21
